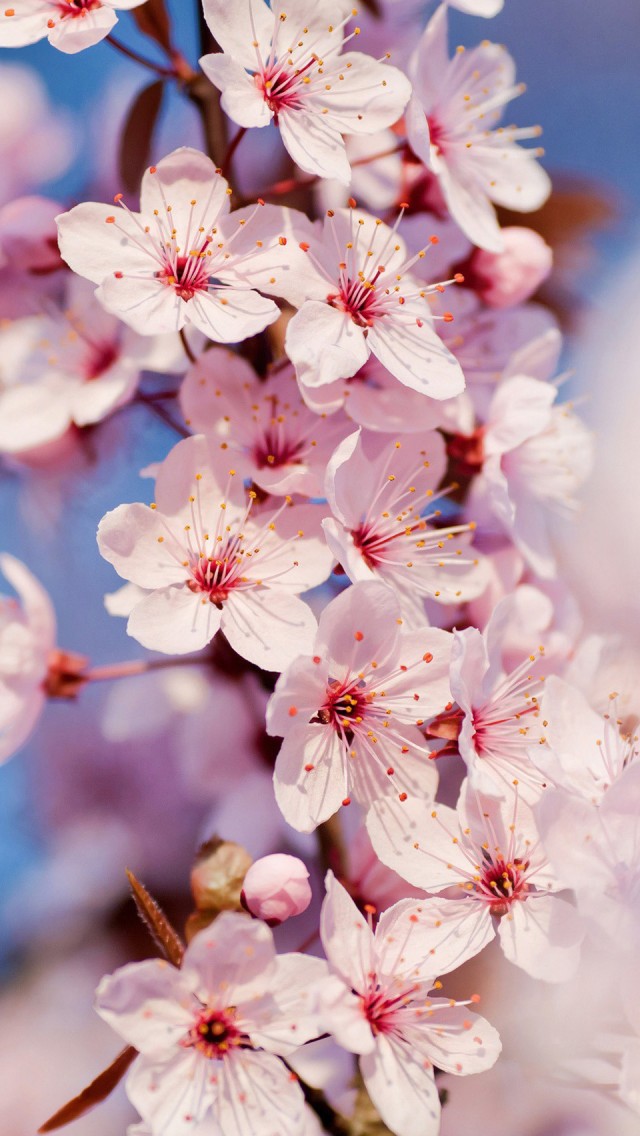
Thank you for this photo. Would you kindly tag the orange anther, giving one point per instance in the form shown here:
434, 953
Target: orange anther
293, 710
358, 636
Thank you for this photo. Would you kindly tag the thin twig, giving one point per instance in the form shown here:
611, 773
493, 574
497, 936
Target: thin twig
187, 346
166, 72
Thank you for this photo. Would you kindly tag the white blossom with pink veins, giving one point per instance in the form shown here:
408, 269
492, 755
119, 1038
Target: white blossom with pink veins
450, 125
486, 861
357, 297
285, 63
489, 345
69, 25
581, 751
498, 713
210, 1035
378, 1004
263, 426
207, 562
383, 495
537, 455
184, 258
27, 638
73, 366
595, 850
350, 711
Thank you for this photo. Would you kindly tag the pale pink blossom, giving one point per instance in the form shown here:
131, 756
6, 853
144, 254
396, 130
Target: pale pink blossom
210, 1035
503, 279
595, 850
537, 455
373, 398
499, 713
276, 887
72, 366
69, 25
285, 64
489, 345
450, 122
384, 498
581, 751
27, 639
545, 613
209, 561
486, 862
264, 427
378, 1003
358, 297
184, 258
31, 268
350, 712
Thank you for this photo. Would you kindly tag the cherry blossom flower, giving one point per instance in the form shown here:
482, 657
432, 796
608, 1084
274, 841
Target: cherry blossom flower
546, 615
488, 344
27, 639
378, 1004
276, 887
487, 862
264, 427
349, 714
450, 119
183, 258
31, 269
595, 850
72, 366
503, 279
581, 751
210, 1035
381, 492
373, 398
537, 454
69, 25
357, 297
497, 711
207, 563
285, 64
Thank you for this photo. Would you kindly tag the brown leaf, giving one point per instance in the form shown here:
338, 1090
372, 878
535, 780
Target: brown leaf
156, 922
94, 1094
137, 135
153, 20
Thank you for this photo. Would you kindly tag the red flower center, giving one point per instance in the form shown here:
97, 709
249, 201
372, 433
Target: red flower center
187, 275
281, 86
502, 883
73, 8
215, 1033
275, 449
359, 299
345, 706
101, 358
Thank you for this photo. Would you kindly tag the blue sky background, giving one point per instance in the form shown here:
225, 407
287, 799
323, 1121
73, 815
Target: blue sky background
579, 59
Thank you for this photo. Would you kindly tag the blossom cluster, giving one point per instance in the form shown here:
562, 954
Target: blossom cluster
353, 546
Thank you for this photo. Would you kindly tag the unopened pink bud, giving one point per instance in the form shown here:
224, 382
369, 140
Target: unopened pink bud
275, 888
503, 279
